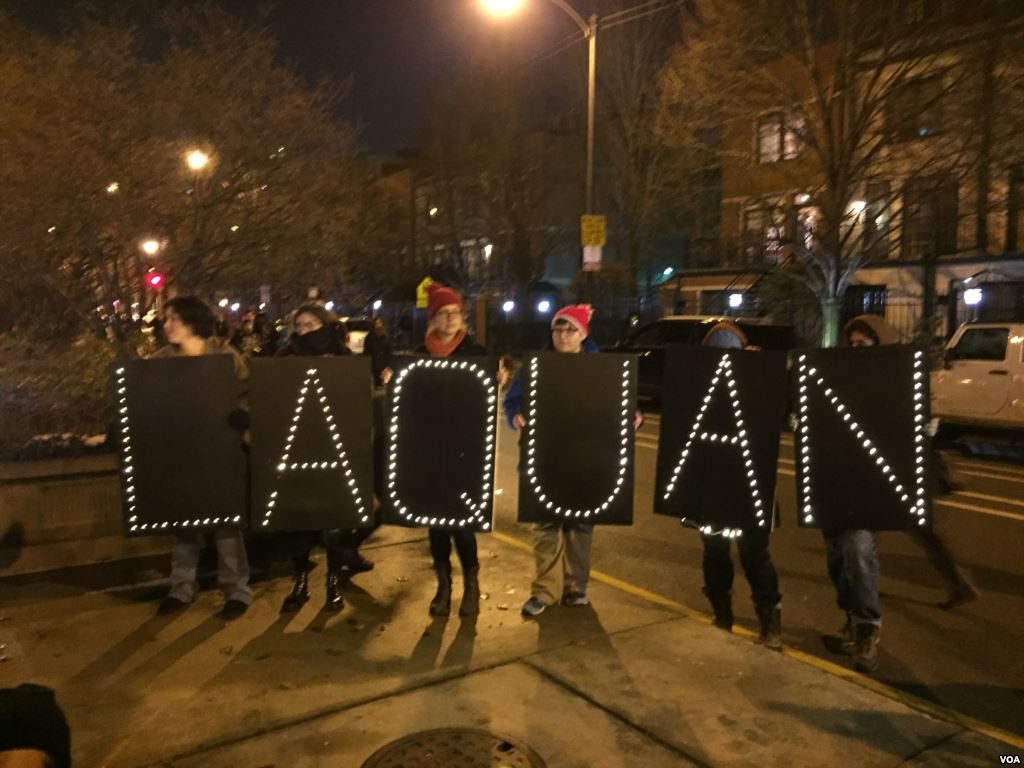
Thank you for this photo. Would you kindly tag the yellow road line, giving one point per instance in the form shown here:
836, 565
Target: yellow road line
987, 497
981, 510
937, 711
992, 476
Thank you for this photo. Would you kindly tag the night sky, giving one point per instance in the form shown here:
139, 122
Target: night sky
399, 52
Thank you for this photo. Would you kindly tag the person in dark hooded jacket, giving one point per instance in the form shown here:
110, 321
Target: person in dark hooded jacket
316, 334
753, 546
852, 556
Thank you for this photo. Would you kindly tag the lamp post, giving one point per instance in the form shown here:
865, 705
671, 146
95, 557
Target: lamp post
197, 161
588, 27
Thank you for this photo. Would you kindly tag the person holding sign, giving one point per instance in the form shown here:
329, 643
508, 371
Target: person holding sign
316, 334
852, 555
561, 550
755, 556
190, 327
447, 337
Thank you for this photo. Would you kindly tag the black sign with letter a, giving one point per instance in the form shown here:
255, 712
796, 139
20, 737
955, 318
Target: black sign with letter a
440, 429
719, 443
182, 465
312, 467
862, 453
576, 451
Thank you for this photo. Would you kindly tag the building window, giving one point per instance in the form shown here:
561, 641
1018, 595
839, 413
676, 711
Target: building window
864, 300
914, 110
929, 217
779, 137
877, 219
764, 231
1015, 210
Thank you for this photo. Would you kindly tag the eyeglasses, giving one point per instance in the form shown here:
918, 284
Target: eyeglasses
447, 314
568, 330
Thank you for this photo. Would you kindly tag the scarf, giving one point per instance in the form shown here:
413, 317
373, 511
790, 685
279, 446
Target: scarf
438, 348
322, 341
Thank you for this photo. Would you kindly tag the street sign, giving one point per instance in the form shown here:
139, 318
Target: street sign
592, 258
421, 292
593, 230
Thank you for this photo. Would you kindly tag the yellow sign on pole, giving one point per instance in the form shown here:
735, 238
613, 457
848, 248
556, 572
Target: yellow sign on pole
593, 230
421, 292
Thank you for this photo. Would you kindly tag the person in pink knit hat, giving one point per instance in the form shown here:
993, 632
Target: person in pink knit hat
561, 551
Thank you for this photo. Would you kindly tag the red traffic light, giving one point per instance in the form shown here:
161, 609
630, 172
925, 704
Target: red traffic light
155, 280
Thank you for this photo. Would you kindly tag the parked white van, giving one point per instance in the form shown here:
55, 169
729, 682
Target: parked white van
981, 383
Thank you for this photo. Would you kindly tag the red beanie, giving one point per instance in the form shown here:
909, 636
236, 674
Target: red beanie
577, 314
441, 296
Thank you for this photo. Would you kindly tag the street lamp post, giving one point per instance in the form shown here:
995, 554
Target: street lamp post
589, 29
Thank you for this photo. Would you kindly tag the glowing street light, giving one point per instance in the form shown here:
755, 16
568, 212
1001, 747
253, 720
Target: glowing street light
502, 8
329, 306
972, 297
735, 300
377, 304
544, 306
857, 207
508, 306
235, 307
150, 247
223, 303
196, 159
667, 271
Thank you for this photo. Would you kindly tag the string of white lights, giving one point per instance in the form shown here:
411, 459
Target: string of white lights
723, 371
916, 499
128, 471
477, 507
342, 464
533, 426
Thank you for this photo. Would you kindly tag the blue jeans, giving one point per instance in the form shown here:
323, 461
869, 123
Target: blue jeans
232, 565
853, 567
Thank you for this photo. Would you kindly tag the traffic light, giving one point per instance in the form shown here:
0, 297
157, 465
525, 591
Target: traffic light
155, 281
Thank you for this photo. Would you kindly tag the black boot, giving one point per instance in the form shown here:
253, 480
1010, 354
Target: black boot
299, 595
865, 653
722, 606
335, 599
441, 605
470, 605
770, 618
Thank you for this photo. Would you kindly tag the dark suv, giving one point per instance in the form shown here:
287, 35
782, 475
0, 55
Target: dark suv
650, 341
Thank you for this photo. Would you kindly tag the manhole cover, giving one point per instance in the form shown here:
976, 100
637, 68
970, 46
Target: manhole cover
454, 748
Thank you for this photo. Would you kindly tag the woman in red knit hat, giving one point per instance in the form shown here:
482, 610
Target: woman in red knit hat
447, 337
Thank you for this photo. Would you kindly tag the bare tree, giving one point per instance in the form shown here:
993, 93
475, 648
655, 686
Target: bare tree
851, 95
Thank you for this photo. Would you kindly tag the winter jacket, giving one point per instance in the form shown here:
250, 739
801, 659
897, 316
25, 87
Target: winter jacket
514, 397
325, 341
467, 348
214, 345
871, 325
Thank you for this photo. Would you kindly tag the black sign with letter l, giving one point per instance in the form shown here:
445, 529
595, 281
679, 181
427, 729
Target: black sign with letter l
862, 453
576, 451
182, 465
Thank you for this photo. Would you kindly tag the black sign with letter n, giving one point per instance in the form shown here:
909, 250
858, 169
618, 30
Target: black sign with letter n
719, 442
312, 467
862, 453
441, 425
182, 465
576, 451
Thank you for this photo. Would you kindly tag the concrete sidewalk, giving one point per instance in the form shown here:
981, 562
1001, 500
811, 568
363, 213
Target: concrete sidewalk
624, 682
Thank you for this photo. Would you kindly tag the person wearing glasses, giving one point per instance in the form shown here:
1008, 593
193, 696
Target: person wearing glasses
561, 551
447, 336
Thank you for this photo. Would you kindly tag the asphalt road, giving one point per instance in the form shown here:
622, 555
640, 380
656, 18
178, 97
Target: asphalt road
970, 660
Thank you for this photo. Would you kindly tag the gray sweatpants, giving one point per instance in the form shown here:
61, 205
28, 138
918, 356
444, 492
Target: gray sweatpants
232, 565
562, 558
